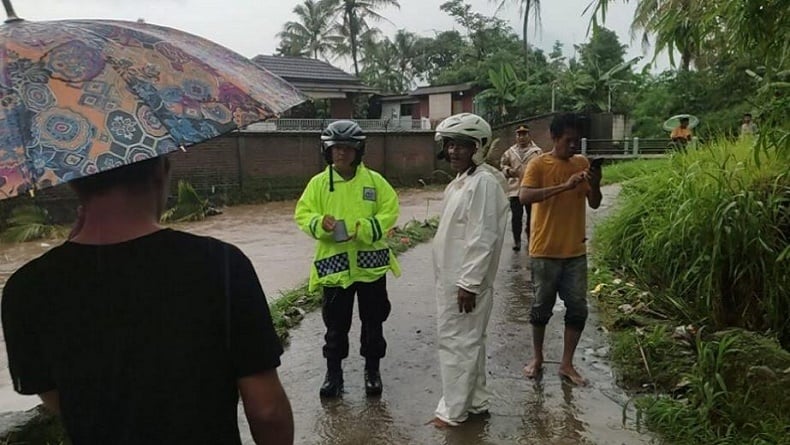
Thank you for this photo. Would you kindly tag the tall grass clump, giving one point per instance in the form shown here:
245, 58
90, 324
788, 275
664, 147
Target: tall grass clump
619, 172
735, 393
712, 231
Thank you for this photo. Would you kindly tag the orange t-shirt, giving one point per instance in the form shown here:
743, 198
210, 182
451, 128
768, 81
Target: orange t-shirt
558, 223
679, 132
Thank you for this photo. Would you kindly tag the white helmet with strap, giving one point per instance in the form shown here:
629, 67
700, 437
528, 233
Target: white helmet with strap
466, 126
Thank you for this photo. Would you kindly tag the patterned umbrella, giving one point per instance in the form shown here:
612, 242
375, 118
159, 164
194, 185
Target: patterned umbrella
80, 97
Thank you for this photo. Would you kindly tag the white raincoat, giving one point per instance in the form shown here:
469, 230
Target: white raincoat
466, 253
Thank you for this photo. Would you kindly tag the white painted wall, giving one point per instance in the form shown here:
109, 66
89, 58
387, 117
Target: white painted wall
440, 106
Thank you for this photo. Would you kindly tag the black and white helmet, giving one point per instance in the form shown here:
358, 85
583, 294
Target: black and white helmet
343, 132
465, 126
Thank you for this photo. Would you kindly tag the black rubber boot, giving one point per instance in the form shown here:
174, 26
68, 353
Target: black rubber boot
373, 386
333, 382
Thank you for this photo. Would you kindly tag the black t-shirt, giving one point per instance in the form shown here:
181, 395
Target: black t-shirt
144, 340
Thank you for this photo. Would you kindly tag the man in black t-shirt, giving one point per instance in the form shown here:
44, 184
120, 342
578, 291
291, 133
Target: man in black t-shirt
138, 334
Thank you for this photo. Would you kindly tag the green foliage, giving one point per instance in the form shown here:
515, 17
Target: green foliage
312, 34
390, 65
695, 92
626, 170
712, 230
189, 205
505, 88
28, 223
735, 393
727, 387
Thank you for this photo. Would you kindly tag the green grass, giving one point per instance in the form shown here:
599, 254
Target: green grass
694, 386
692, 283
713, 230
622, 171
288, 310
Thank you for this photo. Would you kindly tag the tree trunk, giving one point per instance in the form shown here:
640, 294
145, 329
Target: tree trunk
685, 60
526, 45
352, 32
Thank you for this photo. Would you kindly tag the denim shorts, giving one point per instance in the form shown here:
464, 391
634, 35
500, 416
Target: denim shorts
566, 277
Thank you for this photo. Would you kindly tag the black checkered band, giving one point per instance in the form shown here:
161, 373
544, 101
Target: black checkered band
334, 264
376, 258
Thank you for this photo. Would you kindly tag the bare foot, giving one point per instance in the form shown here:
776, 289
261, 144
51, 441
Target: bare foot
570, 374
534, 369
438, 423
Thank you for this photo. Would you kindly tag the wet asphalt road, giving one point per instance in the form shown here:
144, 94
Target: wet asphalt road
522, 412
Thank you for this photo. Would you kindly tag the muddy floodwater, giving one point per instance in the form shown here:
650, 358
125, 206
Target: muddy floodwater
266, 233
522, 411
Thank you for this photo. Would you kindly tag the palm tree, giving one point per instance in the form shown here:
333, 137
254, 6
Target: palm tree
389, 64
526, 7
366, 36
354, 15
380, 61
675, 25
312, 32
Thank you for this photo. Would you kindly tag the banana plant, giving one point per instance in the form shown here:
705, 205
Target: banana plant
28, 223
505, 88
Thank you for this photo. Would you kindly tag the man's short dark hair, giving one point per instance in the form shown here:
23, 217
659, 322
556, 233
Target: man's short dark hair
747, 114
562, 122
684, 119
134, 176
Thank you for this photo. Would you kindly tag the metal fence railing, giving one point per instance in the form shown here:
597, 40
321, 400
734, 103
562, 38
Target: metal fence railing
630, 148
298, 125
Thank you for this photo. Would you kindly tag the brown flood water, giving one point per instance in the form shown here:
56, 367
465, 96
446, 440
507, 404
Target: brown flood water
266, 233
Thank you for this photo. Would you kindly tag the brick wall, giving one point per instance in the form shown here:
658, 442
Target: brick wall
288, 160
341, 108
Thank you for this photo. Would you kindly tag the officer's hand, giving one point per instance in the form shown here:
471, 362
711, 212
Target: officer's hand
466, 300
328, 223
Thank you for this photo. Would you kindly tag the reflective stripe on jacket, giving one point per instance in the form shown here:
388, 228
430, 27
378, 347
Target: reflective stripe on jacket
368, 205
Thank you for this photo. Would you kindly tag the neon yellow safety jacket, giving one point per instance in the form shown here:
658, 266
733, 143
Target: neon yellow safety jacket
369, 206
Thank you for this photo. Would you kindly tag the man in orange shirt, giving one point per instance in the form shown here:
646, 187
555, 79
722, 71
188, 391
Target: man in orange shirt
557, 184
682, 133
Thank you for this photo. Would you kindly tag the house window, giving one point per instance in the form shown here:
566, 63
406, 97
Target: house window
406, 109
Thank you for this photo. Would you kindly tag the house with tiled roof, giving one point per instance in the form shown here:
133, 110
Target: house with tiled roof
319, 80
434, 102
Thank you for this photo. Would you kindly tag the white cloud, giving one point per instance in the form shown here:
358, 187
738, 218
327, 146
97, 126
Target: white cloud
250, 26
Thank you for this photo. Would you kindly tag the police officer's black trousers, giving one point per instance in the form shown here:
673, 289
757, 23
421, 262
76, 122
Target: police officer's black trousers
517, 211
337, 311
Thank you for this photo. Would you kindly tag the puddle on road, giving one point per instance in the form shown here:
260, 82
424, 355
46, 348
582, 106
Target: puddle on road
522, 412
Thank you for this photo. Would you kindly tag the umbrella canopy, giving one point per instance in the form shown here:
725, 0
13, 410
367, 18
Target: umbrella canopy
674, 121
79, 97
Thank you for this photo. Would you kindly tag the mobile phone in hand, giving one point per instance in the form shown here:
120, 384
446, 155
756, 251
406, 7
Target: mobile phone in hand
340, 234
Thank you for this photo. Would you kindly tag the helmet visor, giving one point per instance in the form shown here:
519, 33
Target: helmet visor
350, 143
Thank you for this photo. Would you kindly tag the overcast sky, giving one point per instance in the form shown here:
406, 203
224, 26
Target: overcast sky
249, 26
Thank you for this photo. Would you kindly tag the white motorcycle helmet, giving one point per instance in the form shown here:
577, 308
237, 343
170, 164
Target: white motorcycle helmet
465, 126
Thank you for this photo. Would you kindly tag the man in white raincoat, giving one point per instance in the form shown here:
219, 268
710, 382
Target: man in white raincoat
466, 253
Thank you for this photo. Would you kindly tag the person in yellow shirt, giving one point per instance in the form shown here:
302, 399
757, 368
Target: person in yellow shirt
559, 185
682, 133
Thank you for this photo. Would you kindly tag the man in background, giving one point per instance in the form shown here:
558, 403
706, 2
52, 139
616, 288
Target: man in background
748, 127
512, 164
